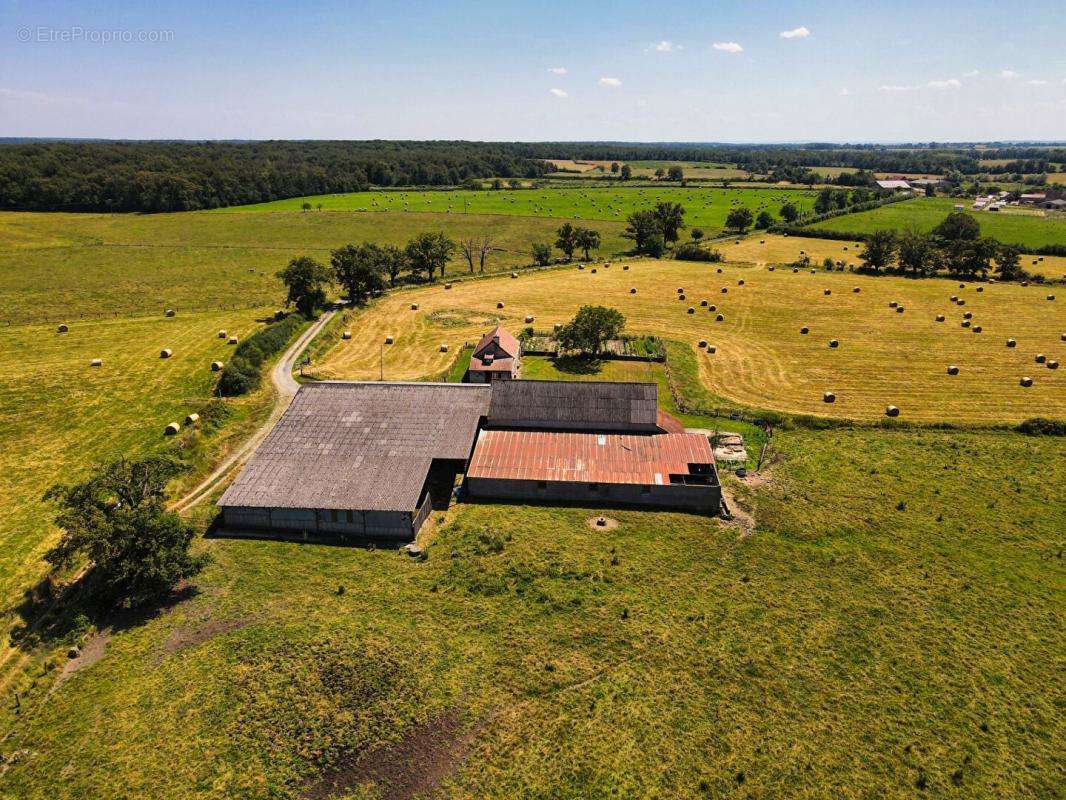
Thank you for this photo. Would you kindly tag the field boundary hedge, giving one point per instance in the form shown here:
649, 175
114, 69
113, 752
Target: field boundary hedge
244, 372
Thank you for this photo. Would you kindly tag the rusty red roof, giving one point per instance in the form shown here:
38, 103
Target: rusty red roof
668, 423
587, 457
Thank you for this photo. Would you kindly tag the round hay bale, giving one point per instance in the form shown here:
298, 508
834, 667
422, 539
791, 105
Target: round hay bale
967, 315
515, 274
691, 310
976, 328
805, 330
980, 288
633, 290
96, 362
444, 348
1025, 283
63, 329
171, 429
1051, 297
1040, 358
814, 272
1052, 364
725, 290
346, 335
593, 270
192, 419
447, 286
803, 252
712, 349
795, 270
719, 271
606, 264
414, 306
891, 411
170, 312
1062, 337
829, 397
529, 319
954, 298
962, 285
558, 326
166, 352
856, 289
892, 304
232, 340
580, 266
827, 292
216, 366
960, 302
899, 309
499, 304
712, 308
1026, 381
953, 370
681, 297
761, 241
966, 323
1012, 343
939, 317
702, 343
770, 268
680, 290
845, 249
388, 340
834, 343
703, 303
221, 334
740, 282
625, 268
720, 318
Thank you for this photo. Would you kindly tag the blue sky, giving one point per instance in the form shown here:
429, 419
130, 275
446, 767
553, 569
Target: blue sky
744, 70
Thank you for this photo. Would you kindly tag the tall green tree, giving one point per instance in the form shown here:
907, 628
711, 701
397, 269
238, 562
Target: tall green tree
739, 219
764, 220
675, 173
626, 172
588, 240
958, 226
1008, 262
591, 328
429, 253
359, 269
306, 281
789, 212
645, 229
879, 250
671, 218
116, 519
917, 253
542, 254
566, 240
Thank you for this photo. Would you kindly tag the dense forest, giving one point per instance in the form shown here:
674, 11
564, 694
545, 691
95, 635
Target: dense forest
182, 176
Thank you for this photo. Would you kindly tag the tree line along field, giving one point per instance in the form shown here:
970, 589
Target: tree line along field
848, 648
762, 360
925, 213
705, 208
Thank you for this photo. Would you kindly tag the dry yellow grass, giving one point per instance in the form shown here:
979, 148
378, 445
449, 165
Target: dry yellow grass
762, 360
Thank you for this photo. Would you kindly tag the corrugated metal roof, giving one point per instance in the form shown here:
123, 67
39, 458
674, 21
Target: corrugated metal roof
587, 457
364, 446
574, 404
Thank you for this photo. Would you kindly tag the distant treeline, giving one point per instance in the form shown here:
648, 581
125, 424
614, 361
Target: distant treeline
183, 176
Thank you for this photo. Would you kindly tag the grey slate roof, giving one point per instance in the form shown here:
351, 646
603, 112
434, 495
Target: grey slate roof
568, 405
360, 446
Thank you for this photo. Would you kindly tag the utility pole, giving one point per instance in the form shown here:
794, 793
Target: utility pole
381, 362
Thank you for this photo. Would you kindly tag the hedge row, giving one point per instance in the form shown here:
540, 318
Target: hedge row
244, 371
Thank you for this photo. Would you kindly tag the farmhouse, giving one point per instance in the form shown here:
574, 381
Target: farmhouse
497, 357
366, 461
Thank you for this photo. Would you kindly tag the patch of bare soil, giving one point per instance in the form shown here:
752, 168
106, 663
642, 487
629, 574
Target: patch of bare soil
94, 649
609, 523
413, 766
739, 516
191, 636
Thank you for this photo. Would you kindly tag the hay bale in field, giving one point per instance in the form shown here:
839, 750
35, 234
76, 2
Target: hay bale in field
899, 309
834, 343
529, 319
803, 252
414, 306
960, 302
740, 282
761, 241
980, 288
770, 268
966, 323
192, 419
593, 270
96, 362
856, 289
720, 318
166, 352
1051, 297
232, 340
681, 297
216, 366
827, 292
725, 290
580, 266
499, 304
954, 298
346, 335
702, 343
967, 315
221, 334
976, 328
515, 274
170, 312
795, 270
388, 340
1012, 343
691, 310
829, 397
939, 317
953, 370
712, 308
680, 290
1040, 358
171, 429
845, 249
962, 285
1026, 381
63, 329
1025, 283
892, 303
444, 348
712, 349
1052, 364
447, 286
719, 271
703, 303
625, 268
633, 290
891, 411
805, 330
606, 264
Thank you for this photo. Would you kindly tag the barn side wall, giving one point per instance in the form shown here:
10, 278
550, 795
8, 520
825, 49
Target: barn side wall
703, 499
318, 525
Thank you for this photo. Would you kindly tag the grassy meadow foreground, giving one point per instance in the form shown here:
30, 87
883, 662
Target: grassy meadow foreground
762, 359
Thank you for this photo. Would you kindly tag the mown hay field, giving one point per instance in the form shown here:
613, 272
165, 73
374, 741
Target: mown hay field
705, 208
894, 622
925, 213
762, 360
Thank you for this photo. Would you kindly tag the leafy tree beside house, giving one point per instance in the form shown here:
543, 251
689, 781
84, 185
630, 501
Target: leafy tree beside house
739, 219
306, 281
429, 253
117, 521
591, 328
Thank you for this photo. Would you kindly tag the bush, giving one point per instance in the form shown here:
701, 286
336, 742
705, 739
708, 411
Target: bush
242, 374
690, 251
1039, 426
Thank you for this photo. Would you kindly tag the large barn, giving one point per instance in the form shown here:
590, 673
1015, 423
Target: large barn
370, 461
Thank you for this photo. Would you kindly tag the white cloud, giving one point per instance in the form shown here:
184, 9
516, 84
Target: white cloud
557, 93
1009, 74
666, 47
796, 33
1036, 82
950, 83
973, 73
728, 47
557, 70
614, 83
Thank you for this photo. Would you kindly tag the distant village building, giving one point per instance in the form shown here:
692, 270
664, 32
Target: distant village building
370, 461
497, 357
893, 185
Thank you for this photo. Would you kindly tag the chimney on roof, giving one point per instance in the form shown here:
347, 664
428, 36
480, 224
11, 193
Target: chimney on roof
496, 339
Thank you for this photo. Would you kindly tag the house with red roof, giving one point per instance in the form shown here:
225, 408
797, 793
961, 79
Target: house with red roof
497, 357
